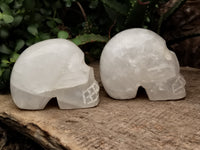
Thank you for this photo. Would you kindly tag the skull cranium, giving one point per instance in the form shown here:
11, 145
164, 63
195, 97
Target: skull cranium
53, 68
139, 57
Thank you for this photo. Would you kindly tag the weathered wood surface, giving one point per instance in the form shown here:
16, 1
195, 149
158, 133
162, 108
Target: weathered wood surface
114, 125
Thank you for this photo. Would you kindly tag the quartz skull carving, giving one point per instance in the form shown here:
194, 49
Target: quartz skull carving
53, 68
139, 57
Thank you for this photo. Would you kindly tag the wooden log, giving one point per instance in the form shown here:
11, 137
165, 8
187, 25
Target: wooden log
114, 124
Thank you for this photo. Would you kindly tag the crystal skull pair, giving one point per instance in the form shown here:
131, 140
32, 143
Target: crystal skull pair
133, 58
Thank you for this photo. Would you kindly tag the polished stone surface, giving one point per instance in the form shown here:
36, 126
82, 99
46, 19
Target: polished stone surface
139, 57
53, 68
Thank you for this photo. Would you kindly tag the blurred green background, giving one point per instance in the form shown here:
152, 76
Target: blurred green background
88, 23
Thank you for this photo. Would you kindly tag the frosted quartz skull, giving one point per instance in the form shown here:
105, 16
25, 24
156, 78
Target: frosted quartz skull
139, 57
53, 68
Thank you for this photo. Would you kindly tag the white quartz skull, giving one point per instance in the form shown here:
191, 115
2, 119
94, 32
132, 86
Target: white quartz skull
53, 68
139, 57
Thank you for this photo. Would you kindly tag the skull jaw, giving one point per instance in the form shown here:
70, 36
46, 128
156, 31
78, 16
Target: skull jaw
29, 101
68, 98
65, 105
166, 95
172, 89
154, 95
75, 98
